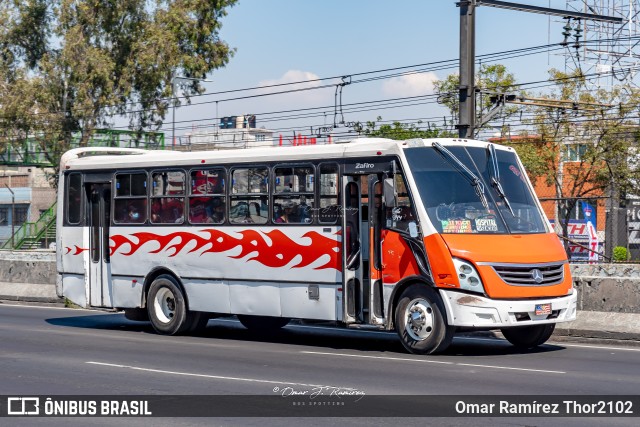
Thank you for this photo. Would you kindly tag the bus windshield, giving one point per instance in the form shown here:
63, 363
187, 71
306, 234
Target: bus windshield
454, 203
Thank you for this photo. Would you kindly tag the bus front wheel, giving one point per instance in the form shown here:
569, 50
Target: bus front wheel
526, 337
421, 321
167, 308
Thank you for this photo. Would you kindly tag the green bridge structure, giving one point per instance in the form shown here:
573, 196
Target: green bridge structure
39, 234
30, 153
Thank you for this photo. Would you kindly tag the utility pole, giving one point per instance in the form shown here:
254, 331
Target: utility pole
467, 91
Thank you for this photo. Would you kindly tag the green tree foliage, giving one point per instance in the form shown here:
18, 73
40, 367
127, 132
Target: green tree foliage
491, 80
68, 67
400, 131
587, 142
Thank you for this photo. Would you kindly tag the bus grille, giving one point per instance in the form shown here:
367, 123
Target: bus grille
530, 275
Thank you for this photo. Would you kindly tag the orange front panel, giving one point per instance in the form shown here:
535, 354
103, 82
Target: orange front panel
511, 249
506, 248
498, 289
397, 259
442, 268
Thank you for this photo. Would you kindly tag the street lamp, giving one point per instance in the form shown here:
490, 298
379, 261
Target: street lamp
175, 100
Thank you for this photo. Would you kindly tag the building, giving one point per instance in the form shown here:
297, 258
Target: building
25, 193
231, 132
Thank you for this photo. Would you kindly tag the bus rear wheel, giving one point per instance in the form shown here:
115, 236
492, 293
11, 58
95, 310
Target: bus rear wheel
421, 321
167, 307
263, 323
526, 337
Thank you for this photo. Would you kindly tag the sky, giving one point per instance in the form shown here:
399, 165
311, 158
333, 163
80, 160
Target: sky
283, 41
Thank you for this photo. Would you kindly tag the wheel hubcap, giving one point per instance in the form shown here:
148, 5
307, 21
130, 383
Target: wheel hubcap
165, 305
419, 319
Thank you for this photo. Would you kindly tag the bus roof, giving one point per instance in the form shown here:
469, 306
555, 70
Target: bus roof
113, 158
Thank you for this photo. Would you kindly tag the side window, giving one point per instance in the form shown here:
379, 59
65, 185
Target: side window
249, 196
293, 195
400, 216
329, 209
207, 196
73, 198
167, 197
130, 199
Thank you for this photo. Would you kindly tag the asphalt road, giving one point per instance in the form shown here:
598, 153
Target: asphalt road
54, 351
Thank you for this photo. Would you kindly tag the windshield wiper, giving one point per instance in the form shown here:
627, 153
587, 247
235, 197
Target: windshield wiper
494, 172
465, 171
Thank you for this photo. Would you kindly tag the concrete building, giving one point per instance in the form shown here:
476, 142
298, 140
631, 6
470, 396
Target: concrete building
32, 195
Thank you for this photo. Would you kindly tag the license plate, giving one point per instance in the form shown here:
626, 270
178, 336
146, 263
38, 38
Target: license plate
543, 309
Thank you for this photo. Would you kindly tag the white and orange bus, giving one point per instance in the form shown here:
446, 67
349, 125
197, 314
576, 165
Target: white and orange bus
422, 236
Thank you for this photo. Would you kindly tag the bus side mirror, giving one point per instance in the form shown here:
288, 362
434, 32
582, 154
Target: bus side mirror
390, 194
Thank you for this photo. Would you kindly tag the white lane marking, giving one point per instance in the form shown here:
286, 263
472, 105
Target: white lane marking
217, 377
442, 362
434, 361
560, 343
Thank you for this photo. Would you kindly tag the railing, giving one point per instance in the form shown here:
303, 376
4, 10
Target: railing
32, 231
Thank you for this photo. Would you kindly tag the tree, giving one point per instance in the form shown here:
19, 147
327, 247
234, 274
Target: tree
68, 67
400, 131
491, 80
598, 128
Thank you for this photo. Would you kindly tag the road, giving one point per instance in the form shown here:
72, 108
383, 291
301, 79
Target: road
54, 350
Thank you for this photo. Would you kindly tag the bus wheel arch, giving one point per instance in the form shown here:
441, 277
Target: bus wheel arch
168, 306
420, 320
398, 289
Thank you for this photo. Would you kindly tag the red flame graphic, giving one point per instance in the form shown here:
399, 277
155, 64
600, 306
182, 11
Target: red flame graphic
277, 253
77, 251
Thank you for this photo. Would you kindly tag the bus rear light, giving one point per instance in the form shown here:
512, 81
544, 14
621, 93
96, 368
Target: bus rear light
203, 161
379, 153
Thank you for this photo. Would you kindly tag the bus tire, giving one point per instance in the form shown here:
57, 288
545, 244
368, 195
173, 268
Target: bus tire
199, 322
263, 323
421, 322
527, 337
167, 307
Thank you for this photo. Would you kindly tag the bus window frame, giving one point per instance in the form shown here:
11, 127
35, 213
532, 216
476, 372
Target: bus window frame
230, 171
318, 187
83, 215
224, 194
151, 197
114, 198
273, 194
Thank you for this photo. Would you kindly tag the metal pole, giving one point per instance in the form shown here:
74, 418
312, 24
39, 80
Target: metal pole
467, 96
173, 121
13, 216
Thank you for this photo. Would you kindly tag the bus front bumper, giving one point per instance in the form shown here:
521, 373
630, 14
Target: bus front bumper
477, 311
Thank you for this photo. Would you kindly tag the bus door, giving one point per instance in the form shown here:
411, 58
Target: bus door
98, 260
362, 225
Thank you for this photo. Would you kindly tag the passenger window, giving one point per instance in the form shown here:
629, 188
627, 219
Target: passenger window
130, 200
74, 198
207, 203
166, 207
293, 197
249, 200
329, 209
400, 216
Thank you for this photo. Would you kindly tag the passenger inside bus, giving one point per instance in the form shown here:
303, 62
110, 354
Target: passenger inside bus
287, 213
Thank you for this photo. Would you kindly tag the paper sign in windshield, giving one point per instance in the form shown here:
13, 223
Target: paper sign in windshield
486, 224
456, 226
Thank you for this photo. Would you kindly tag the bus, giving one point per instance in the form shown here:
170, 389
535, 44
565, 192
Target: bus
425, 237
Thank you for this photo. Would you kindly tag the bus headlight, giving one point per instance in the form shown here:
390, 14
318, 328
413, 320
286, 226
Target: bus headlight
468, 276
